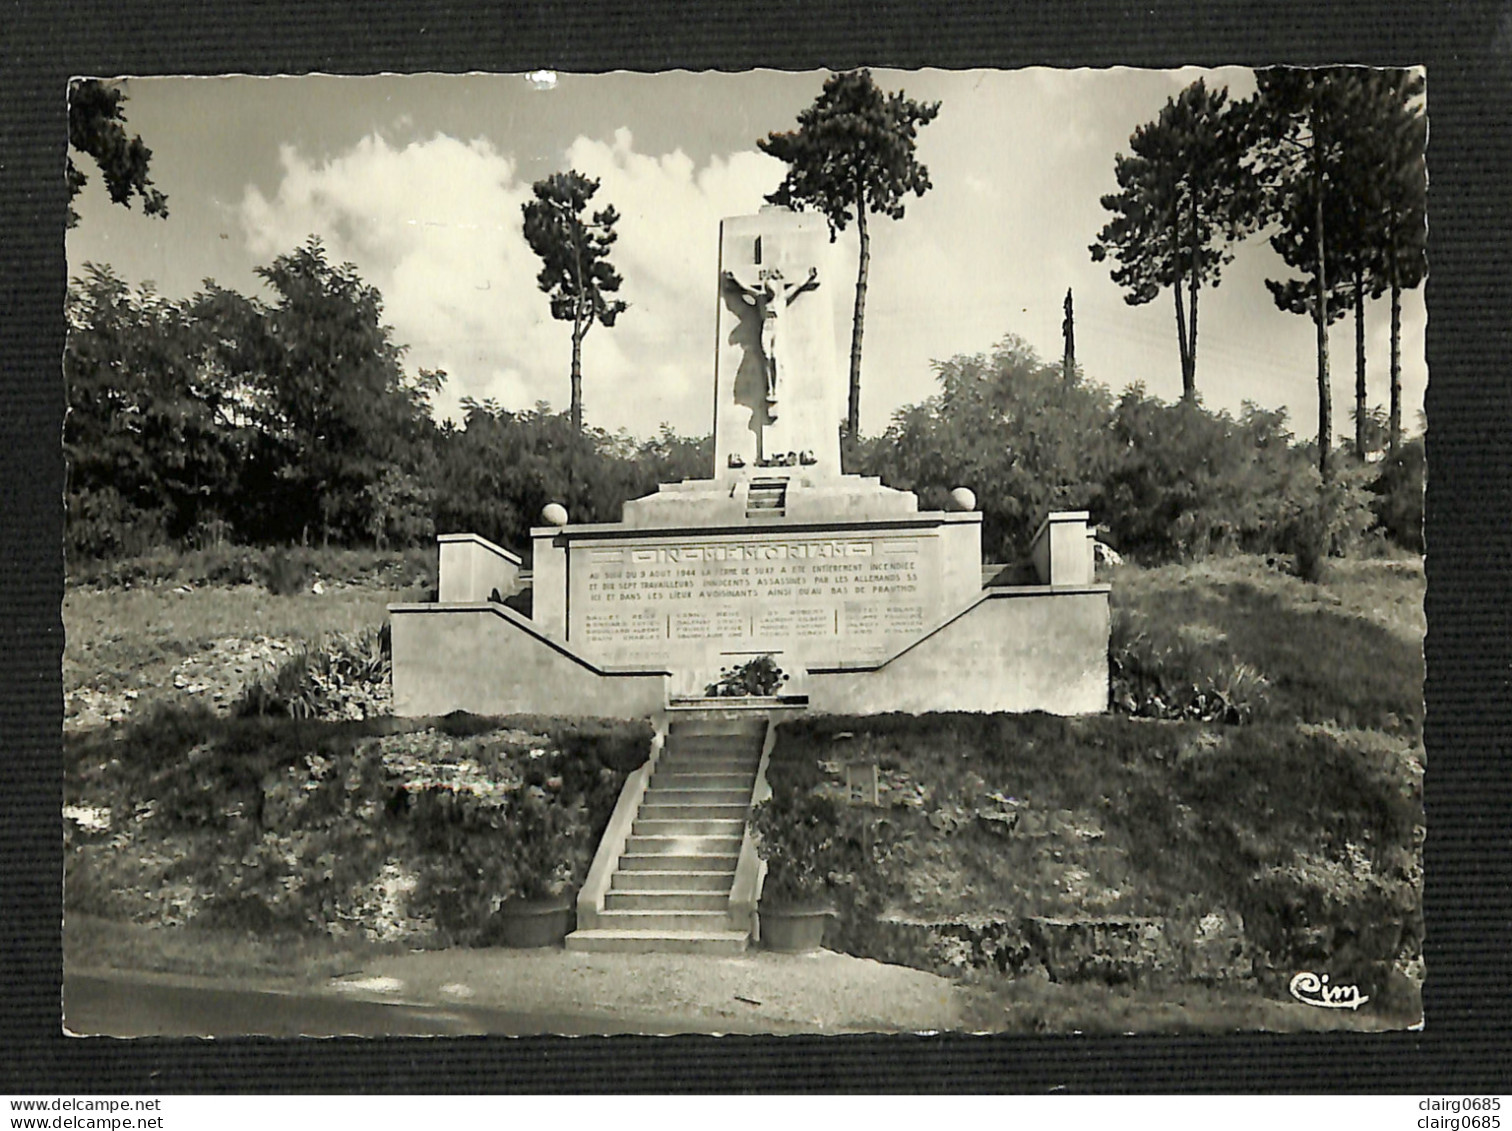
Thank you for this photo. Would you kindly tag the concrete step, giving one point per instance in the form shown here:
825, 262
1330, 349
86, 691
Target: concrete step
660, 780
665, 860
658, 796
666, 901
622, 941
711, 757
699, 828
690, 725
658, 844
657, 810
720, 882
715, 744
664, 920
679, 765
649, 844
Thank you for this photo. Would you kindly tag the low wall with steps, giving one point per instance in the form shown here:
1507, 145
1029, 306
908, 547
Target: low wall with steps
489, 660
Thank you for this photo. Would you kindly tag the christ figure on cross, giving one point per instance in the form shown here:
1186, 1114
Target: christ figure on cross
771, 295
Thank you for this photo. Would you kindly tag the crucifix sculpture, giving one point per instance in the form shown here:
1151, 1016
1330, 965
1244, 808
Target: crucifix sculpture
771, 295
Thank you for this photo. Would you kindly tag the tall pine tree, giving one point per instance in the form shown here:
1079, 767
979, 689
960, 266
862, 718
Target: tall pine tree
575, 267
1305, 127
1183, 198
853, 154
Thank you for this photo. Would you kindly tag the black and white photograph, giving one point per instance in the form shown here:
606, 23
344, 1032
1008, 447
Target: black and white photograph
750, 552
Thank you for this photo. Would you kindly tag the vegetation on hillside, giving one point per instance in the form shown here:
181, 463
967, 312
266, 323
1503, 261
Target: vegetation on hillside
1228, 851
379, 829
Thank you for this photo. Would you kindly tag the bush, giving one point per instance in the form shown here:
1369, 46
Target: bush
347, 677
1009, 427
799, 834
102, 524
1329, 521
1398, 496
288, 571
1190, 482
1171, 680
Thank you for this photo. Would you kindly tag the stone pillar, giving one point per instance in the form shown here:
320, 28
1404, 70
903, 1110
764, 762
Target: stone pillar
470, 568
548, 598
1062, 549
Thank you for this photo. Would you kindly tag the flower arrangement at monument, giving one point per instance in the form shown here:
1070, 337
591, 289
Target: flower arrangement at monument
757, 676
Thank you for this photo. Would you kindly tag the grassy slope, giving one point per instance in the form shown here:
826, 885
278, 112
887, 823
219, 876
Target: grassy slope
119, 641
1309, 817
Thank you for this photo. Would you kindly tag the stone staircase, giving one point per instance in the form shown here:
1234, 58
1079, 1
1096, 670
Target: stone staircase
766, 498
670, 889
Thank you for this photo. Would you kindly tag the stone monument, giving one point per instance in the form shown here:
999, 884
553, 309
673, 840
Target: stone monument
868, 602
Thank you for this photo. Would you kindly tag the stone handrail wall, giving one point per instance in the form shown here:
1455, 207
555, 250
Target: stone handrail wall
1027, 648
590, 900
488, 659
470, 567
750, 868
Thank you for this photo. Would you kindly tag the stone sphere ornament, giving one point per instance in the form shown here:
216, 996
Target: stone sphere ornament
963, 499
554, 514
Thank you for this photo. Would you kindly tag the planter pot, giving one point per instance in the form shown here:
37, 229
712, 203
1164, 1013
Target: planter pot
534, 922
793, 929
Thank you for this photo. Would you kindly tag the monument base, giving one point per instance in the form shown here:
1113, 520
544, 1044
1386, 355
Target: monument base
879, 612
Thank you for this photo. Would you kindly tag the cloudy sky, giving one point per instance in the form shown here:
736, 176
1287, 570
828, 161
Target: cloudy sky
418, 180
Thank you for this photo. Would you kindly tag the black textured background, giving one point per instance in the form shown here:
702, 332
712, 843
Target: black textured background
1467, 48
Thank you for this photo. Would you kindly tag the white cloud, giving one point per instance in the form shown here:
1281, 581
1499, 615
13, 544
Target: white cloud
435, 225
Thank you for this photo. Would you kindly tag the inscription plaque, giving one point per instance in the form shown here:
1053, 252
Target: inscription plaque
830, 597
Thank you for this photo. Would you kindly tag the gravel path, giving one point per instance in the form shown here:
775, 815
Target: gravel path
761, 991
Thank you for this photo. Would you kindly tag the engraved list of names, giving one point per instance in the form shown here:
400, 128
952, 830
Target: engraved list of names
753, 593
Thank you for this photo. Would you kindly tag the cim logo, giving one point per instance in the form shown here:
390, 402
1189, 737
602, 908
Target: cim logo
1314, 989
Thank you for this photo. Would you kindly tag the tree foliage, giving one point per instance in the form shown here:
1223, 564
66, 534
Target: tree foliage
499, 468
1008, 426
222, 416
97, 127
1341, 152
853, 153
151, 438
1163, 482
1184, 196
575, 268
1398, 192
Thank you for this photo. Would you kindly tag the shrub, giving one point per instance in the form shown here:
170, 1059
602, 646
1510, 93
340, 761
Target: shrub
1398, 496
287, 572
1189, 482
347, 677
1171, 680
102, 524
1328, 520
799, 834
1010, 427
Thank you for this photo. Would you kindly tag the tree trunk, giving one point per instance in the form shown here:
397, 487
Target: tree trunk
1320, 316
1181, 341
577, 379
1359, 316
1189, 379
1194, 283
853, 407
1395, 427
